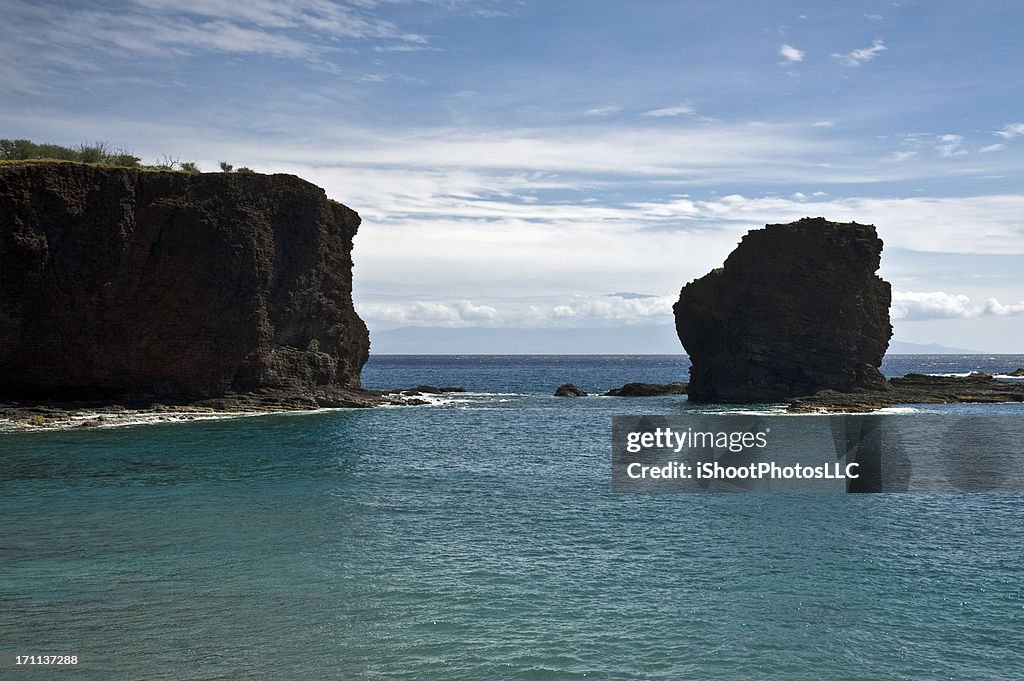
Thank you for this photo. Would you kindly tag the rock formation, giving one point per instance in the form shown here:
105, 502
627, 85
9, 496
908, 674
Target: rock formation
647, 390
118, 282
797, 308
569, 390
914, 389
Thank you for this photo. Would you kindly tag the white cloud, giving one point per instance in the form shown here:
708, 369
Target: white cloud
950, 145
1011, 130
791, 54
579, 311
864, 54
679, 110
405, 48
593, 309
492, 13
427, 313
603, 110
702, 153
991, 224
992, 147
925, 305
946, 146
327, 18
823, 124
88, 35
902, 155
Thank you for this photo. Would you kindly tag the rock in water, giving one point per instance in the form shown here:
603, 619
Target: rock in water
125, 282
569, 390
797, 308
647, 390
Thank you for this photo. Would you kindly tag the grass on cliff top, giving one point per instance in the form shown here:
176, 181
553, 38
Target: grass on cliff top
143, 168
98, 154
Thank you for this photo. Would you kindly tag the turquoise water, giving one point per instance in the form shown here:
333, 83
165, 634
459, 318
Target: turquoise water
478, 539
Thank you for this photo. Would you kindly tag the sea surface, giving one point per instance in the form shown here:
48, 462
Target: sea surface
477, 538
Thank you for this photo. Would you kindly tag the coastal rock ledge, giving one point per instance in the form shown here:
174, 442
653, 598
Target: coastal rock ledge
796, 309
120, 283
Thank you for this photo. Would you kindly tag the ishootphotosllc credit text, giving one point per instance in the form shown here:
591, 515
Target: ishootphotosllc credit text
762, 470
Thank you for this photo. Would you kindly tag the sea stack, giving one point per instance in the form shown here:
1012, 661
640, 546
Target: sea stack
796, 308
120, 283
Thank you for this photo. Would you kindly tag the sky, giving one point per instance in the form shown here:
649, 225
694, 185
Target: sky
570, 164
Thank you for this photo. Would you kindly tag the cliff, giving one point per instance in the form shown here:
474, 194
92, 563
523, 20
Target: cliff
125, 283
796, 308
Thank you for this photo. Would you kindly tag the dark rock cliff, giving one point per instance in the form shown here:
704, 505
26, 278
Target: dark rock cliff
797, 308
118, 282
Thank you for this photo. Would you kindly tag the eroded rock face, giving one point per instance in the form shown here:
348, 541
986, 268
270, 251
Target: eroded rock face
118, 281
797, 308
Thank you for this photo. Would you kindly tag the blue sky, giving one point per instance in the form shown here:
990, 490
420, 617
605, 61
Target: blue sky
516, 163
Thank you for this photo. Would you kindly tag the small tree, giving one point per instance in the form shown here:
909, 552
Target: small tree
189, 166
245, 170
124, 159
226, 167
166, 163
93, 153
16, 150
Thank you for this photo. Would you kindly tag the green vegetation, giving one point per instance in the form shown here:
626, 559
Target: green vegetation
227, 168
97, 153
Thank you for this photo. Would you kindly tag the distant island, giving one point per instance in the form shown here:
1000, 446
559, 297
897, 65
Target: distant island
904, 348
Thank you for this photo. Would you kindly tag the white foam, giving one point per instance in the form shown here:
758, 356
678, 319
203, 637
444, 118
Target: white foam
96, 420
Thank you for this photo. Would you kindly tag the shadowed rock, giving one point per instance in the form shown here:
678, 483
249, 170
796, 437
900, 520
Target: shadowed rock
569, 390
122, 283
914, 389
796, 309
647, 390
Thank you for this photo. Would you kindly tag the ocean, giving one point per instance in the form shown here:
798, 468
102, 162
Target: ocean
478, 538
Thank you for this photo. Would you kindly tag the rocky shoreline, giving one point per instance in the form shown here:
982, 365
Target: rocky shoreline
628, 390
60, 415
910, 389
57, 415
916, 389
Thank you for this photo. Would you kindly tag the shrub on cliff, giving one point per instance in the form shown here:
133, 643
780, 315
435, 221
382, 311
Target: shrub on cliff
97, 152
